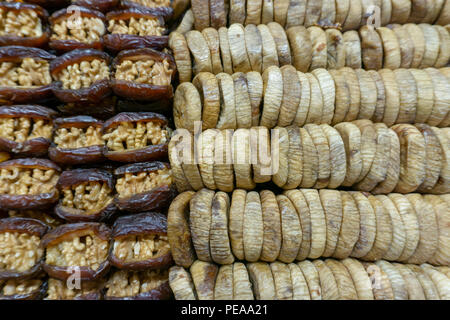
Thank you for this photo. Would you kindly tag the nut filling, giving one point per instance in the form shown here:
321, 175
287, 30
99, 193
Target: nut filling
135, 135
83, 74
136, 26
27, 73
83, 29
129, 284
22, 23
20, 287
83, 249
153, 3
19, 251
145, 72
27, 181
89, 196
21, 129
58, 290
131, 184
74, 138
140, 248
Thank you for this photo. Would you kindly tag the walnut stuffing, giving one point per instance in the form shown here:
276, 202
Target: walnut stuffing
21, 129
140, 248
27, 73
83, 29
84, 74
129, 284
89, 196
38, 215
145, 72
27, 181
22, 23
131, 184
58, 290
135, 135
73, 138
20, 287
19, 251
134, 26
153, 3
82, 249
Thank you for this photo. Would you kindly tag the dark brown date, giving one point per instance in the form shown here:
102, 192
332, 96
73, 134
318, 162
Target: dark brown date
163, 8
29, 289
90, 28
136, 137
87, 79
140, 242
89, 290
35, 84
46, 217
100, 5
152, 73
103, 110
77, 140
86, 195
51, 4
86, 246
26, 130
28, 183
144, 186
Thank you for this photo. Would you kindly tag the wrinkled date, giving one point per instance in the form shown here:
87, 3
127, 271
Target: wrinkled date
87, 195
23, 25
28, 183
21, 256
25, 75
136, 137
100, 110
140, 242
88, 290
26, 129
82, 32
81, 76
77, 140
78, 249
28, 289
143, 74
100, 5
159, 7
135, 28
144, 186
143, 285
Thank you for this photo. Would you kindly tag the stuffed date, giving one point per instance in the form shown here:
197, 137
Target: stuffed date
143, 74
78, 248
21, 256
140, 242
136, 137
144, 186
28, 183
88, 290
25, 75
26, 129
28, 289
160, 7
81, 76
82, 32
77, 140
100, 5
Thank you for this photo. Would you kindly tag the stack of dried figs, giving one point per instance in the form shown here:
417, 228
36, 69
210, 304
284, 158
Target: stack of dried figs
85, 91
311, 150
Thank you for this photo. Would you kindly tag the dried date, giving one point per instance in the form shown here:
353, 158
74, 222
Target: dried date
100, 5
89, 290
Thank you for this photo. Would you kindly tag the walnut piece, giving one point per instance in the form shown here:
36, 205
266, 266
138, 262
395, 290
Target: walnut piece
131, 184
83, 249
129, 284
140, 248
84, 74
145, 72
27, 73
74, 138
81, 29
38, 215
135, 135
89, 196
22, 23
153, 3
21, 129
20, 287
136, 26
58, 290
19, 251
27, 181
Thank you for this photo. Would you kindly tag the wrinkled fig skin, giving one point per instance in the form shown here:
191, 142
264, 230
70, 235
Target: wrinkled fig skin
143, 92
69, 45
103, 110
23, 225
163, 292
99, 5
36, 295
60, 233
98, 91
25, 95
141, 224
166, 12
37, 42
39, 201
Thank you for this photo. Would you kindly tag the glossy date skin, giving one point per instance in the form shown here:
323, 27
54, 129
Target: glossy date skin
100, 5
146, 223
102, 110
31, 147
166, 12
